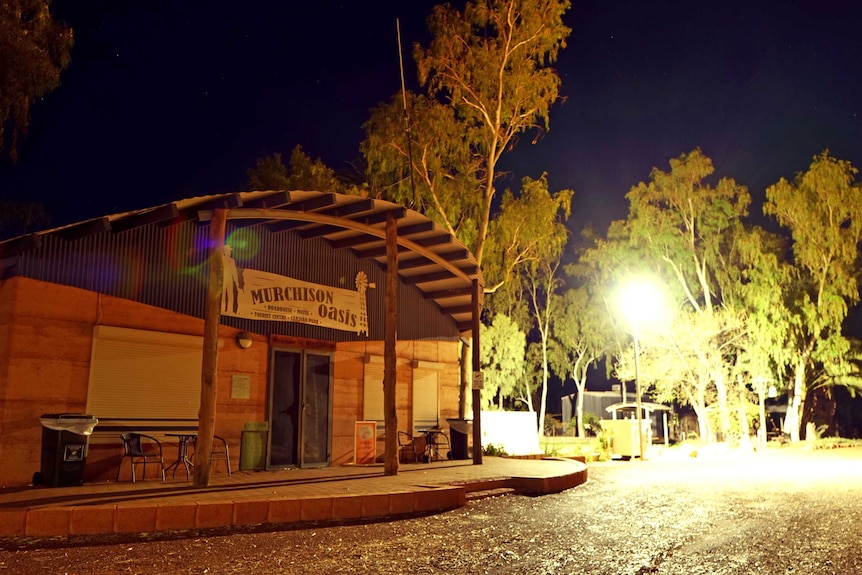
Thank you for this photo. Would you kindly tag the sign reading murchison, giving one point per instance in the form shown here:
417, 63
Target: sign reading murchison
254, 294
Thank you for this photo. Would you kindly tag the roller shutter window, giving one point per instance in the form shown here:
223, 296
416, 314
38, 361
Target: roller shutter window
138, 374
426, 398
372, 394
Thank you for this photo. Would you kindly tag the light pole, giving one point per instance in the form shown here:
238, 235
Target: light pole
638, 388
641, 301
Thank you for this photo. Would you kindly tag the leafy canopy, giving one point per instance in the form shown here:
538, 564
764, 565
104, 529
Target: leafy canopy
34, 49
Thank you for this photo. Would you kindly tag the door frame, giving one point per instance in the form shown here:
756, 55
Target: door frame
300, 391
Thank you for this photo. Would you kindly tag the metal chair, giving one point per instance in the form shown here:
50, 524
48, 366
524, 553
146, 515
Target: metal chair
219, 452
407, 451
140, 452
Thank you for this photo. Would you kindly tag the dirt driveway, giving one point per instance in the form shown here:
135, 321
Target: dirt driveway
781, 512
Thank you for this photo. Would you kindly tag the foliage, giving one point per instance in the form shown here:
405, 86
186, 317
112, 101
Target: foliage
493, 450
490, 63
529, 230
431, 168
532, 234
488, 79
687, 227
502, 347
301, 173
751, 311
580, 336
18, 219
551, 425
34, 49
822, 209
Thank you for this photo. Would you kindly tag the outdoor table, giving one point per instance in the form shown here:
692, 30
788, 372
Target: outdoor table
432, 448
183, 442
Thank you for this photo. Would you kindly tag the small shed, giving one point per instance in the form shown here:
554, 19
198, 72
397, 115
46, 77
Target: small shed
628, 410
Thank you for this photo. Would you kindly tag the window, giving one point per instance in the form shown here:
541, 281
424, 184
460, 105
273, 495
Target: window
144, 379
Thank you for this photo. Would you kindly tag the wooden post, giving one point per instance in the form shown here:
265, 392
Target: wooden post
390, 297
477, 367
209, 365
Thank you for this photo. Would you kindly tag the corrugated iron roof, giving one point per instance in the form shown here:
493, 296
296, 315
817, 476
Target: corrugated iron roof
429, 258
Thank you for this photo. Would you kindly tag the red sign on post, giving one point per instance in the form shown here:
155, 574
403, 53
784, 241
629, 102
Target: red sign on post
365, 443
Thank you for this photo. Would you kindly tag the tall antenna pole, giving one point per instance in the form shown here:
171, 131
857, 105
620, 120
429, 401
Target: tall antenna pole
406, 116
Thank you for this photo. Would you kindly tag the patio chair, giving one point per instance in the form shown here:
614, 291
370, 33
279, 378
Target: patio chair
407, 452
141, 449
219, 452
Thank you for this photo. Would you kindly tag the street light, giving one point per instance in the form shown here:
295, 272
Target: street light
641, 302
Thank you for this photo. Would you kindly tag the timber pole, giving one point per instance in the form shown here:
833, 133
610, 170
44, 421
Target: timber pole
477, 368
209, 364
390, 326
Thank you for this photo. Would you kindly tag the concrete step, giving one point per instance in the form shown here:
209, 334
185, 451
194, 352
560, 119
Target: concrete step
486, 493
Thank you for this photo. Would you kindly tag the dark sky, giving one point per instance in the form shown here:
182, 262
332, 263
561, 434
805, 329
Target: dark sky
167, 99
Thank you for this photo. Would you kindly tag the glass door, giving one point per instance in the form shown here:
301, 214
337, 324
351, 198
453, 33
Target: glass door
284, 408
300, 409
316, 410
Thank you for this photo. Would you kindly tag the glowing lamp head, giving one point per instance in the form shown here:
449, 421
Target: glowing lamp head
641, 301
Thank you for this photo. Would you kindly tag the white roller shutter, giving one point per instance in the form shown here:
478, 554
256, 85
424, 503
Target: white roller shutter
138, 375
372, 392
426, 399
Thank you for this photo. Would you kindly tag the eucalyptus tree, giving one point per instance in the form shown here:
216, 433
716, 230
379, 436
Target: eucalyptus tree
488, 75
822, 209
503, 346
682, 221
532, 236
580, 337
763, 351
17, 218
675, 364
301, 173
491, 63
434, 170
34, 50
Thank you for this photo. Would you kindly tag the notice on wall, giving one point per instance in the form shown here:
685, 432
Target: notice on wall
365, 443
240, 386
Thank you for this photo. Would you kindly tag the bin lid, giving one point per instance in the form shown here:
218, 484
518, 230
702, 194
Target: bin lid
75, 422
464, 426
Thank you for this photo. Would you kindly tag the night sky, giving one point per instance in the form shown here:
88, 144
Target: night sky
166, 99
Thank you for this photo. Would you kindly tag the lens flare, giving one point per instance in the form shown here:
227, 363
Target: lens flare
244, 243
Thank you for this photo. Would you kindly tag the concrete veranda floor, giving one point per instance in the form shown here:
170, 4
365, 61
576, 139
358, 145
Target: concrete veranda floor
276, 498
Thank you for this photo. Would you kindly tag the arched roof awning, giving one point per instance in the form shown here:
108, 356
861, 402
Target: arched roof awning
429, 258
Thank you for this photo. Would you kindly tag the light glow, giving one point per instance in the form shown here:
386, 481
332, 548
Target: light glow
641, 301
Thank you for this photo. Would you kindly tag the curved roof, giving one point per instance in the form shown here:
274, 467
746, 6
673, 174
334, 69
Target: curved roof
429, 258
649, 406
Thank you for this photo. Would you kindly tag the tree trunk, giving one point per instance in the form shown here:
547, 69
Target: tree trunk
579, 409
744, 437
761, 430
702, 422
542, 408
795, 404
723, 409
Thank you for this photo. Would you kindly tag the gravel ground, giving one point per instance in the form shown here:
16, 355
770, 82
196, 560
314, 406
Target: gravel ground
782, 512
